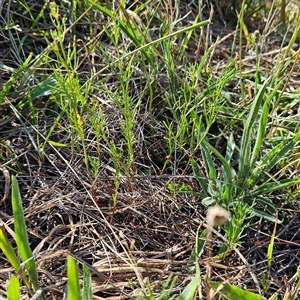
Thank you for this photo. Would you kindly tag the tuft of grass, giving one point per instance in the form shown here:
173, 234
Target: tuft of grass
241, 145
21, 238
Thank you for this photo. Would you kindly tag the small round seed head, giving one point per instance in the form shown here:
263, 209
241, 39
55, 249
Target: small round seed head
217, 216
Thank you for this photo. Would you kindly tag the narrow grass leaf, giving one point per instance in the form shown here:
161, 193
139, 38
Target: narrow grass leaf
13, 290
227, 174
266, 216
270, 187
262, 126
133, 34
271, 247
171, 69
198, 248
73, 280
10, 254
229, 148
199, 177
208, 161
8, 250
277, 154
87, 284
21, 234
190, 290
14, 78
261, 131
245, 148
264, 201
233, 292
44, 88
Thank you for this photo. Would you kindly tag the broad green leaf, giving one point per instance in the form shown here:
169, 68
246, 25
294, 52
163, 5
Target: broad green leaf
21, 234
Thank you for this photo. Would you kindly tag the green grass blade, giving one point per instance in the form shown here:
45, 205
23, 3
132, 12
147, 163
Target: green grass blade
190, 290
271, 247
13, 290
266, 216
199, 177
8, 250
227, 175
208, 162
270, 187
14, 78
230, 148
272, 158
10, 254
129, 30
21, 234
44, 88
245, 148
198, 249
171, 69
87, 284
73, 280
233, 292
262, 127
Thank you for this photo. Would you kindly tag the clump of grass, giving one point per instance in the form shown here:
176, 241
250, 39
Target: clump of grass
143, 71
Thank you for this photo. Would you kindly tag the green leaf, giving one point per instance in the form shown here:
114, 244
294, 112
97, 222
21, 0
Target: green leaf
73, 280
245, 148
199, 246
270, 187
199, 177
272, 158
21, 234
227, 174
10, 254
87, 284
44, 88
271, 246
8, 250
13, 290
262, 126
208, 161
14, 78
234, 293
230, 148
266, 216
190, 290
208, 201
